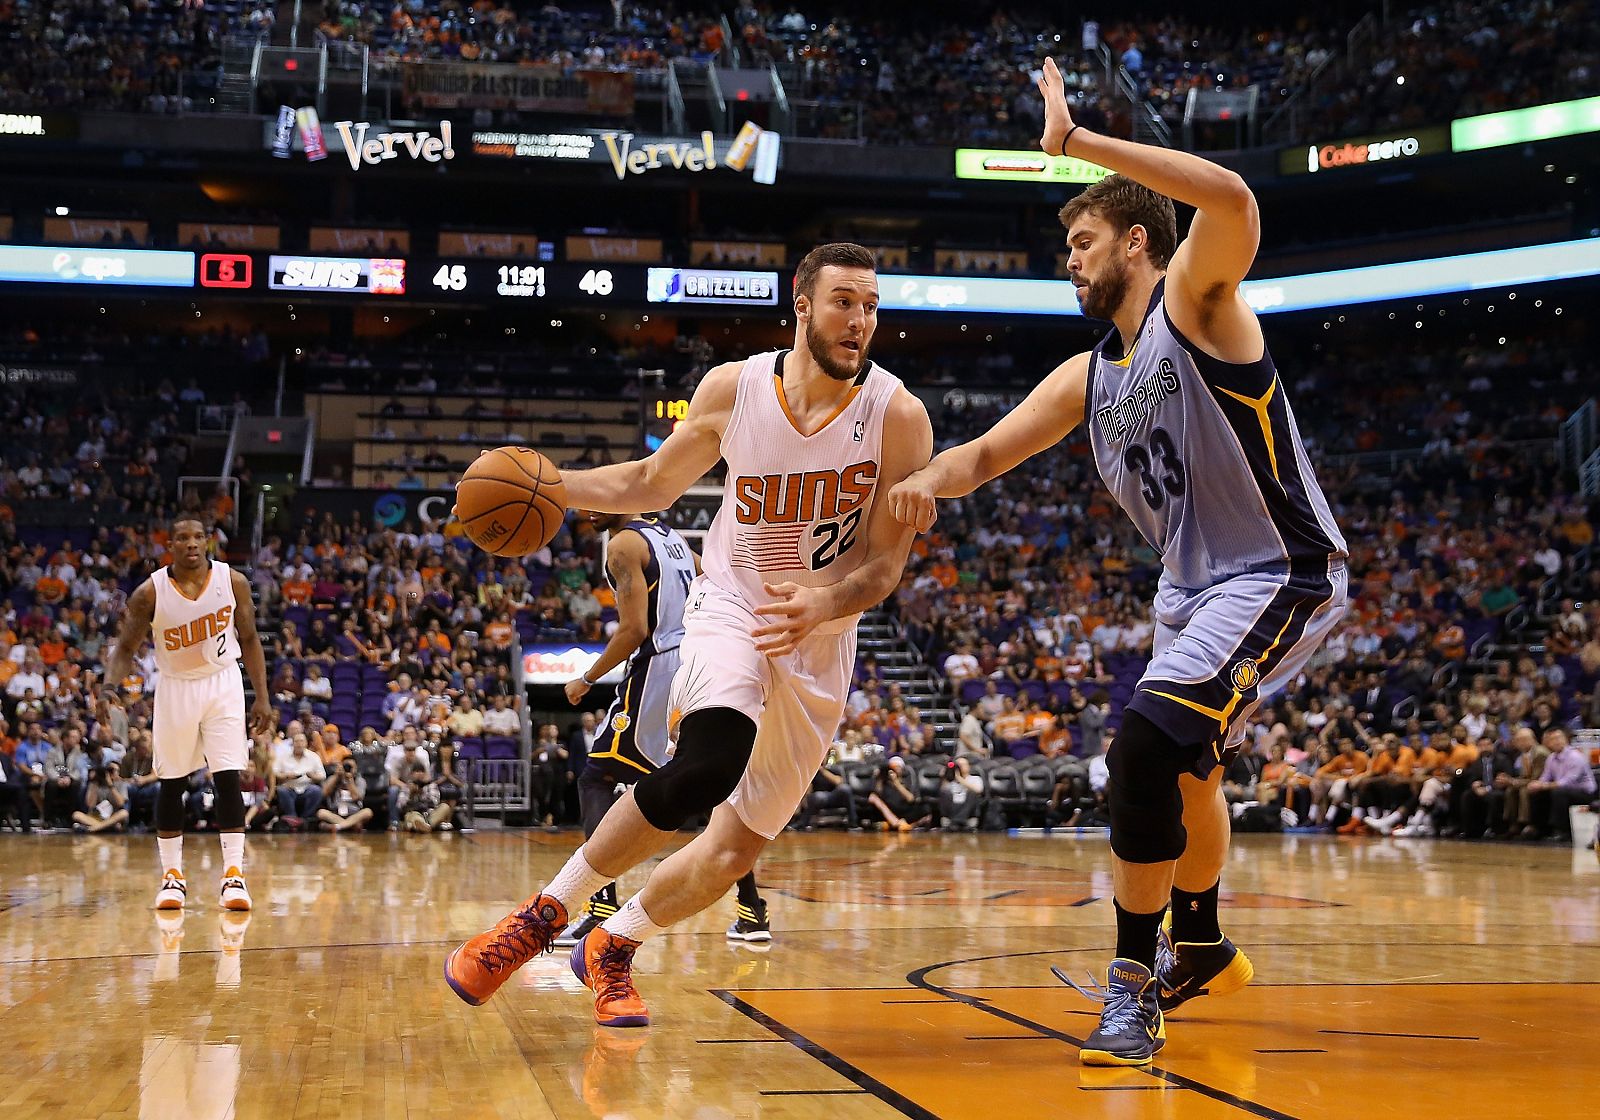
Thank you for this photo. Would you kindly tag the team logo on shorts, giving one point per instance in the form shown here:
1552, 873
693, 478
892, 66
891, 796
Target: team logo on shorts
1246, 675
620, 722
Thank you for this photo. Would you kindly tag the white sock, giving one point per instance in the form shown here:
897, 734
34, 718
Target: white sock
232, 851
575, 882
171, 851
632, 922
1358, 812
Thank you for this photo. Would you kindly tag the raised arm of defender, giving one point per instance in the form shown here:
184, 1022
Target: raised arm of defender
1041, 421
1202, 293
659, 479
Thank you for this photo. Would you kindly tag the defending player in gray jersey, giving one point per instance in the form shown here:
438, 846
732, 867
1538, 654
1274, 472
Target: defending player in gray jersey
1192, 432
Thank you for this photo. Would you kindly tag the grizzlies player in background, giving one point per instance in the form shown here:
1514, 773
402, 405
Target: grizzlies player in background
1193, 436
649, 567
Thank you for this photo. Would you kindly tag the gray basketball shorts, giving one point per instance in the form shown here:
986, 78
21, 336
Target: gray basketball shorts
1221, 650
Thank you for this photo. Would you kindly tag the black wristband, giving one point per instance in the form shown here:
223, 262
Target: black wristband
1067, 137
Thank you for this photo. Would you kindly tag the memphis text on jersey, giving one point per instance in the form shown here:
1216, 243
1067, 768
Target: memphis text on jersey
202, 629
1117, 420
801, 498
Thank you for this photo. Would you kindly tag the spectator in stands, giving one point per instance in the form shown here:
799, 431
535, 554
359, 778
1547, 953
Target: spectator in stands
550, 773
15, 804
299, 778
66, 770
316, 686
829, 792
1565, 781
501, 720
258, 784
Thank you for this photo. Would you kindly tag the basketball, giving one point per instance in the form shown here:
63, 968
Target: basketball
511, 501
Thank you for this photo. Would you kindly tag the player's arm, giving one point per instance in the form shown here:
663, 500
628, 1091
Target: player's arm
799, 610
262, 713
627, 559
135, 629
659, 479
1202, 292
1041, 421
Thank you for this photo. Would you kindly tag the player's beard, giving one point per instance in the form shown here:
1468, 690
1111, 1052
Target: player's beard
1101, 298
822, 351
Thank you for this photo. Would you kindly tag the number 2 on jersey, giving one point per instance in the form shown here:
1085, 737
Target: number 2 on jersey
837, 537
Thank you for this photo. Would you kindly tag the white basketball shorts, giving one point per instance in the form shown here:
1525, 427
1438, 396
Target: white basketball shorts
200, 723
796, 700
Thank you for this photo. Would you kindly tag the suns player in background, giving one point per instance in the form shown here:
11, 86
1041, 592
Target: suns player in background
202, 616
1191, 430
650, 568
802, 544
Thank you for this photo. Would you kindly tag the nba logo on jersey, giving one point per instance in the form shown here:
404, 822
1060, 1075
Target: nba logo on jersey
860, 430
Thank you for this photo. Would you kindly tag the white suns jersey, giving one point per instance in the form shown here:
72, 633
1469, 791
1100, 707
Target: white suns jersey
795, 507
194, 638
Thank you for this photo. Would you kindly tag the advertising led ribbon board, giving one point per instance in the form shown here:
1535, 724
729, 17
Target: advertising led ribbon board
1468, 272
1521, 126
1363, 151
1025, 167
137, 268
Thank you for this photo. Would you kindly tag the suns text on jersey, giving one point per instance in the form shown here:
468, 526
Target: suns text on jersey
802, 497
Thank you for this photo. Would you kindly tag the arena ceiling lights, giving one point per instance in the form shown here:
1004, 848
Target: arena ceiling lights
1533, 264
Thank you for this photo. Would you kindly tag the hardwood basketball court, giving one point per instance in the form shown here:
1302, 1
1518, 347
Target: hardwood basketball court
909, 976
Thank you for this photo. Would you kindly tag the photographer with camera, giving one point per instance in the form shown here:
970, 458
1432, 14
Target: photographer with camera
961, 796
344, 799
106, 796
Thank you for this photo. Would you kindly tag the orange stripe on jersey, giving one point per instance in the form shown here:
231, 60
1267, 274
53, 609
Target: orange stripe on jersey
783, 403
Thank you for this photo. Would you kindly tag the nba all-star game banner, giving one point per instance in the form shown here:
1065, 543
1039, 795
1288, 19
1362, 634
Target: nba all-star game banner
556, 665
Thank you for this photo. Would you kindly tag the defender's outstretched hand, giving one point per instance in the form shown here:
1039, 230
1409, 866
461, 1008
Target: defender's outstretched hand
1057, 117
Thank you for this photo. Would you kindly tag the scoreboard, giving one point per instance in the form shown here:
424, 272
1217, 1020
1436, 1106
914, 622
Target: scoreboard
383, 278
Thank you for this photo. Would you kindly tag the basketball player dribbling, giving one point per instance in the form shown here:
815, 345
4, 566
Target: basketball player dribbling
1192, 433
650, 568
202, 615
800, 547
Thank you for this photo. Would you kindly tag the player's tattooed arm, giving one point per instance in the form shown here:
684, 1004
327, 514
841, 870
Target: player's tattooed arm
141, 611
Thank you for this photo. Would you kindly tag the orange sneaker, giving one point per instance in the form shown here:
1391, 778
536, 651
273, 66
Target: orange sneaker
604, 962
1355, 826
477, 968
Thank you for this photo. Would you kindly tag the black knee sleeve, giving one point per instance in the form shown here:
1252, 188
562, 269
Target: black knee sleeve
1142, 792
714, 746
230, 801
169, 804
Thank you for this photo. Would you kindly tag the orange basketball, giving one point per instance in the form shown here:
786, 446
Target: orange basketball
511, 501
